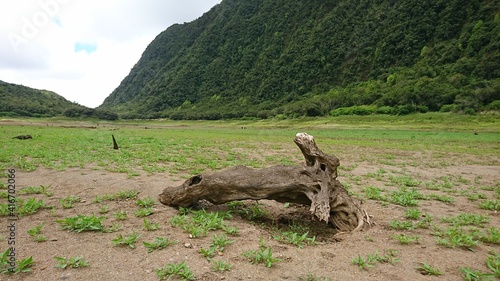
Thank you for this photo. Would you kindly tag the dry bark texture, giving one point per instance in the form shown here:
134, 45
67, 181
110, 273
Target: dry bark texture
314, 184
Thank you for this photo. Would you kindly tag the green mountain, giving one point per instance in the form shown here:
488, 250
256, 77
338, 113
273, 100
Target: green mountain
264, 58
17, 100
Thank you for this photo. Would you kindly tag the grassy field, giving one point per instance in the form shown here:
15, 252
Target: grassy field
429, 181
192, 147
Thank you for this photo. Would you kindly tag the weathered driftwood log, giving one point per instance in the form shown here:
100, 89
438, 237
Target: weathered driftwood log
314, 184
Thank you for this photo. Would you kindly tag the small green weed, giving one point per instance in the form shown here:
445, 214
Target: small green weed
82, 223
150, 226
426, 269
29, 206
405, 239
104, 209
22, 265
442, 198
470, 274
405, 197
413, 214
389, 256
398, 225
493, 263
458, 237
158, 244
262, 255
121, 215
493, 205
67, 202
201, 222
466, 219
146, 202
143, 212
252, 212
220, 265
373, 193
218, 244
180, 270
296, 239
492, 236
37, 190
75, 262
35, 233
361, 262
126, 194
128, 240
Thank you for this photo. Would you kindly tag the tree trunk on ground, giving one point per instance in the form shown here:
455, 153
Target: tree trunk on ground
314, 184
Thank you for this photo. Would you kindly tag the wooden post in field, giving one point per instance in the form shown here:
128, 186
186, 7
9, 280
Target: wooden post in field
115, 145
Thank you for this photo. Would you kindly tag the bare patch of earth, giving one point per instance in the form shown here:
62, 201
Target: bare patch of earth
330, 257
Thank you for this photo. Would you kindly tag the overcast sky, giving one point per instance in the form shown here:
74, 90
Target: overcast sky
82, 49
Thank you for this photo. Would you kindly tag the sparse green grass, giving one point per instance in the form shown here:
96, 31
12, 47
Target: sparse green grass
218, 244
35, 232
458, 237
29, 206
104, 209
493, 264
389, 256
199, 223
426, 269
406, 239
74, 262
147, 202
264, 255
443, 198
143, 212
121, 215
373, 193
399, 225
491, 236
467, 219
251, 212
150, 226
405, 196
42, 189
22, 265
82, 223
492, 205
295, 234
158, 244
413, 214
180, 270
219, 265
67, 202
128, 240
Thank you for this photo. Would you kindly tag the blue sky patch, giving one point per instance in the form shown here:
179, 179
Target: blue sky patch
87, 47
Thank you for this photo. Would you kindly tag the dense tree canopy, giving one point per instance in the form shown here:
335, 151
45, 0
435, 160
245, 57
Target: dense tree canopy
18, 100
263, 58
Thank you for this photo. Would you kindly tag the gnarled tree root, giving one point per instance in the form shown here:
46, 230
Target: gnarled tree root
314, 184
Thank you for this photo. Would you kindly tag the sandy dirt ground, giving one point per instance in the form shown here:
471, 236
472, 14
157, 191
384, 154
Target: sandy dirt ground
330, 258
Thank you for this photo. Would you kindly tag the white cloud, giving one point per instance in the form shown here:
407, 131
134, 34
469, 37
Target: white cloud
38, 37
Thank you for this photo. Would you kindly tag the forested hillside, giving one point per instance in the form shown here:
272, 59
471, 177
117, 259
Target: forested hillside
265, 58
17, 100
